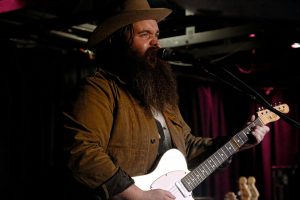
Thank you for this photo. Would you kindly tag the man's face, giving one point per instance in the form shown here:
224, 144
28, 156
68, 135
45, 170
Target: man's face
145, 35
150, 78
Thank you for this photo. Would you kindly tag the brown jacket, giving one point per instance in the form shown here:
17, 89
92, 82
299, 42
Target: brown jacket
113, 138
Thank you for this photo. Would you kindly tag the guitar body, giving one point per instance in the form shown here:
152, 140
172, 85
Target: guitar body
170, 169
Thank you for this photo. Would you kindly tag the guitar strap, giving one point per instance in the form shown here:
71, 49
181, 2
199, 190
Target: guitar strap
165, 138
162, 148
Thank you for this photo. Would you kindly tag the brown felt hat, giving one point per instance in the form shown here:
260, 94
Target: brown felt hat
133, 11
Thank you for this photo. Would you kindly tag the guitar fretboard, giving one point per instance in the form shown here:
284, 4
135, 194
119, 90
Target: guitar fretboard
196, 176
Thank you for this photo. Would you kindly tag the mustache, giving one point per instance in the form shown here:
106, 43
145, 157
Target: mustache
152, 58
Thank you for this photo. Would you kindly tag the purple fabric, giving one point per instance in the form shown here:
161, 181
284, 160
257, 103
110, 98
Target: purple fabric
10, 5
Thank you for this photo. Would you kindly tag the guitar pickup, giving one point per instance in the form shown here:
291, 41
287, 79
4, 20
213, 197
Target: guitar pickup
182, 189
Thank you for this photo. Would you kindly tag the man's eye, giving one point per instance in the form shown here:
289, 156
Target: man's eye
145, 35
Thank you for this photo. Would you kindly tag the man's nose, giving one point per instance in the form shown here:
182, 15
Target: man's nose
154, 42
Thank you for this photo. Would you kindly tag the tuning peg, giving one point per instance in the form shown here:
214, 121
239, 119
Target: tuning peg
259, 108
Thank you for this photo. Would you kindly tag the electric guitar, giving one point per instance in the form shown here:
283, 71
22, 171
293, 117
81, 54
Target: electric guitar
172, 174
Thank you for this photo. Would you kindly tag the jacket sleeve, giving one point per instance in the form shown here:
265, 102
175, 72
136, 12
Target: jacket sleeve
87, 125
116, 184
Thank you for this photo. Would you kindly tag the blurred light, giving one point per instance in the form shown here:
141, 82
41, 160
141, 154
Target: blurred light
295, 45
91, 55
245, 69
268, 90
252, 35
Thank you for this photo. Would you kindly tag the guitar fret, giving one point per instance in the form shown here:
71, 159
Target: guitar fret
259, 122
244, 136
230, 143
249, 128
225, 150
193, 180
188, 179
185, 181
235, 143
212, 163
217, 159
229, 148
198, 174
203, 170
195, 183
200, 167
221, 156
224, 153
192, 183
240, 138
205, 164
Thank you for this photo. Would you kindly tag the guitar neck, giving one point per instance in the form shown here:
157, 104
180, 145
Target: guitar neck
197, 175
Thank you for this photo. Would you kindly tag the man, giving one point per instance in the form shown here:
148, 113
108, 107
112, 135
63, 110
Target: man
126, 114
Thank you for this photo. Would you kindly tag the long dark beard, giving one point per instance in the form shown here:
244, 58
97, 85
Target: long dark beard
153, 81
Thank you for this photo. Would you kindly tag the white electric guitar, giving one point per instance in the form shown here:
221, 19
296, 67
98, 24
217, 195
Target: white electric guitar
172, 174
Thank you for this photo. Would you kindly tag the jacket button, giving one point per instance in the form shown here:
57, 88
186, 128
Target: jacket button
153, 141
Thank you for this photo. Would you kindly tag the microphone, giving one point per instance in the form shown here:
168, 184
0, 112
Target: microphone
168, 54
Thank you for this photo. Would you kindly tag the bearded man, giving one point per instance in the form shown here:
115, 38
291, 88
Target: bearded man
126, 114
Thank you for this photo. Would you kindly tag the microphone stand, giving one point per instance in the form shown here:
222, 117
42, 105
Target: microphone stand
250, 92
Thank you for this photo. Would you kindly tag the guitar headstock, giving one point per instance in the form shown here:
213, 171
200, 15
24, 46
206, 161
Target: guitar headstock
267, 116
244, 191
252, 188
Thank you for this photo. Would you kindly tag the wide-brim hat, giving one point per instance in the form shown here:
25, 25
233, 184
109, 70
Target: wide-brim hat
133, 11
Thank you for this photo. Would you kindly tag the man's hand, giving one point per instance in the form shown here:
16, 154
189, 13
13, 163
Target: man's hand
258, 133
